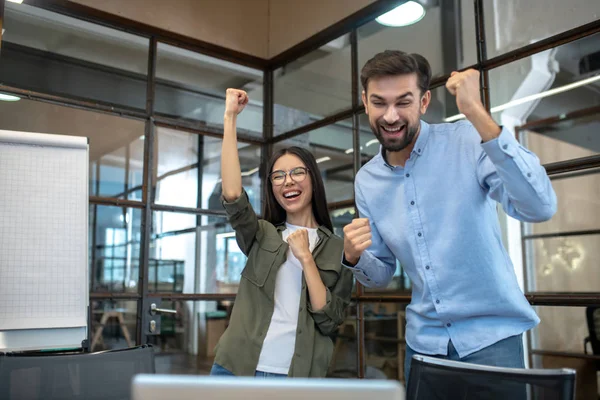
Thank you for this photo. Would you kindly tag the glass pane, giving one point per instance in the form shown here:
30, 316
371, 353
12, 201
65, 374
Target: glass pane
314, 86
177, 170
116, 144
192, 86
332, 148
385, 345
340, 218
562, 332
560, 329
577, 206
511, 24
549, 84
186, 259
187, 339
115, 234
114, 324
566, 140
563, 264
52, 53
430, 37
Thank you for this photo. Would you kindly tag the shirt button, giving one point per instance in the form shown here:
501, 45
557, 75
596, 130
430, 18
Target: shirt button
505, 147
427, 267
529, 174
448, 324
412, 203
419, 150
368, 279
407, 175
419, 234
437, 302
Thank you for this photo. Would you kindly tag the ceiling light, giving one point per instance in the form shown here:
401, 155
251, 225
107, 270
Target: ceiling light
533, 97
403, 15
16, 1
323, 159
351, 150
8, 97
370, 142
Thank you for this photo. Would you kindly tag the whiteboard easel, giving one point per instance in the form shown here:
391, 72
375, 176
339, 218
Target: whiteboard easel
44, 294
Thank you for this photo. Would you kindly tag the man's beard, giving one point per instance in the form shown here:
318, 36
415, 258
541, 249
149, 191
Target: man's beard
395, 144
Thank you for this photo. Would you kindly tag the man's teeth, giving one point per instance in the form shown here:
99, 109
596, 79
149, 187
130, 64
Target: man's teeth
290, 194
390, 129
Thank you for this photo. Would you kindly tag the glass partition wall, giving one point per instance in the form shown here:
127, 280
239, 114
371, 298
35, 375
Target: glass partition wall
153, 112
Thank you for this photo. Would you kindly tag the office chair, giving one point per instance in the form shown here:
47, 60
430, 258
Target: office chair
593, 322
89, 376
437, 379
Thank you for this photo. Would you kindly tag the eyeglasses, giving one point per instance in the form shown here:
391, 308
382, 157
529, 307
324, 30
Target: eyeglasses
297, 174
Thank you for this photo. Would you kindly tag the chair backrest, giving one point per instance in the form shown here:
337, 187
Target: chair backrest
433, 378
90, 376
593, 322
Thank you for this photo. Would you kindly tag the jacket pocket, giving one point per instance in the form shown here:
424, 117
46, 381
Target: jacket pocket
330, 273
260, 262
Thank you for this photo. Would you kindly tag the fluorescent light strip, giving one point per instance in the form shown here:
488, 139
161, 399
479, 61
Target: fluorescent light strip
533, 97
8, 97
323, 159
351, 150
16, 1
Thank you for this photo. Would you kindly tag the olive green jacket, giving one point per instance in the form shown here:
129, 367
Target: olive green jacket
239, 348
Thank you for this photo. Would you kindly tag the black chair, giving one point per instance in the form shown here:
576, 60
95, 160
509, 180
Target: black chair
437, 379
89, 376
593, 322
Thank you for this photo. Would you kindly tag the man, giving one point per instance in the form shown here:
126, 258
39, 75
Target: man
428, 200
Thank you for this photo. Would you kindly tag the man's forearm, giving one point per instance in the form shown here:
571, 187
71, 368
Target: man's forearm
483, 122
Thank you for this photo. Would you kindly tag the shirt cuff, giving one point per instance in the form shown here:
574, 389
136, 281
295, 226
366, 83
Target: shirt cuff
239, 204
502, 148
359, 270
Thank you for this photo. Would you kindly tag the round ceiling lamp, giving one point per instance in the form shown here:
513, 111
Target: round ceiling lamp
405, 14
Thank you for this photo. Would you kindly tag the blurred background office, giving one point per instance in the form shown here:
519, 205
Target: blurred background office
145, 81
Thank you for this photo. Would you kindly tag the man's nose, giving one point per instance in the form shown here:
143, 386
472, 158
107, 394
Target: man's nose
391, 116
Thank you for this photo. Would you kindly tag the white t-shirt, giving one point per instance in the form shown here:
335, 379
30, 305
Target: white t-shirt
280, 340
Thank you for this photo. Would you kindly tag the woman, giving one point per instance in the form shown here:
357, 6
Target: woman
294, 290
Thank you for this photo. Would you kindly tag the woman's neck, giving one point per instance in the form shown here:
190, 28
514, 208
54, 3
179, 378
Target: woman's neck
304, 218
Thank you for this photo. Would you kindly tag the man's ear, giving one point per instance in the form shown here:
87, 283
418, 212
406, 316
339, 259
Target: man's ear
425, 101
364, 100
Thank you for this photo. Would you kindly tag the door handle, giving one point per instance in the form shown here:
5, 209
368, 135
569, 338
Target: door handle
154, 309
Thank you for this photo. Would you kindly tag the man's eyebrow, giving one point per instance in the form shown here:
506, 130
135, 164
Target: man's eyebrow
401, 97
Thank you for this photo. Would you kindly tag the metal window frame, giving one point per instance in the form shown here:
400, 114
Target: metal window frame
348, 25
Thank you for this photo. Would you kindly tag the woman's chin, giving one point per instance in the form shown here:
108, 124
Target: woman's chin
293, 208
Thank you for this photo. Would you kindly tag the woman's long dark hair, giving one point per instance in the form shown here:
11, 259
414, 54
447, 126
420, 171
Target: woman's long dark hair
274, 213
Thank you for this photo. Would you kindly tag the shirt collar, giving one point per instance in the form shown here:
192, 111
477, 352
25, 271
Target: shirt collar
419, 145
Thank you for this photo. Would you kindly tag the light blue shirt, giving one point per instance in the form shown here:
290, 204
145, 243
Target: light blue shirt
437, 215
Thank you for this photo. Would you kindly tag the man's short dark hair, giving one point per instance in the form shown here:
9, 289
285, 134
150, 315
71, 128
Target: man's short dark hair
396, 62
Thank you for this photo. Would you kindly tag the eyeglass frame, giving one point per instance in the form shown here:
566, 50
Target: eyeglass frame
286, 174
